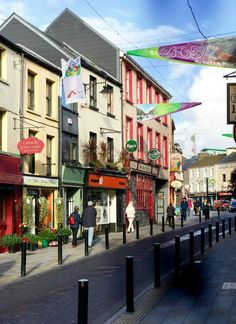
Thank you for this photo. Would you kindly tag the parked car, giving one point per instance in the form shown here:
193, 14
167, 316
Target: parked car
224, 204
232, 207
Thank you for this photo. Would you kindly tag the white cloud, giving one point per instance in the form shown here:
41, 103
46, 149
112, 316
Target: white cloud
207, 121
7, 8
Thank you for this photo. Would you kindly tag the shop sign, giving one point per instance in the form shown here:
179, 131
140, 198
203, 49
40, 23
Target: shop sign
96, 180
176, 184
144, 168
155, 170
131, 146
133, 165
153, 154
30, 145
40, 182
231, 103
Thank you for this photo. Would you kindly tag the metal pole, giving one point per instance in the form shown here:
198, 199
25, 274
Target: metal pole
107, 236
177, 254
59, 240
202, 239
210, 235
137, 230
173, 224
223, 228
217, 231
86, 253
191, 246
229, 225
23, 258
200, 216
129, 284
235, 223
182, 221
163, 224
124, 233
83, 301
157, 266
151, 226
207, 189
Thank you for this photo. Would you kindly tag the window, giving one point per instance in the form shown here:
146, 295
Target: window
158, 100
158, 146
149, 94
93, 92
128, 84
224, 177
49, 98
129, 129
139, 90
1, 129
31, 91
69, 148
206, 173
1, 62
164, 120
144, 189
110, 150
49, 156
149, 139
110, 105
140, 141
165, 152
74, 107
31, 167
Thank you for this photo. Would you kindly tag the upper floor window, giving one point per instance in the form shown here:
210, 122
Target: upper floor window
110, 103
165, 152
158, 145
110, 150
128, 84
140, 141
69, 147
149, 139
49, 98
1, 129
31, 167
31, 91
164, 119
74, 107
224, 177
129, 129
1, 62
93, 92
139, 90
149, 94
49, 155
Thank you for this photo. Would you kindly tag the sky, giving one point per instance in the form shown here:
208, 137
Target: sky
133, 24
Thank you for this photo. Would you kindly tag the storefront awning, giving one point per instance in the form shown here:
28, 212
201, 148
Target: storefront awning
72, 175
10, 170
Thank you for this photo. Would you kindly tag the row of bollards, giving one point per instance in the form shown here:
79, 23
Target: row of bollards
83, 283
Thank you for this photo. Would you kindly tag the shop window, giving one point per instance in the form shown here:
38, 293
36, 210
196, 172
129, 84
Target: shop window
140, 141
128, 84
110, 150
92, 92
101, 202
31, 168
49, 155
139, 92
31, 91
69, 147
49, 97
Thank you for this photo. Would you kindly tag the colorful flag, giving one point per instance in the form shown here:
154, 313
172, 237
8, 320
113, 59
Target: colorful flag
193, 140
228, 135
151, 111
72, 80
220, 52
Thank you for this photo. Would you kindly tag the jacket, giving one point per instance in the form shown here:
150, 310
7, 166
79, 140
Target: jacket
77, 220
89, 216
130, 211
170, 210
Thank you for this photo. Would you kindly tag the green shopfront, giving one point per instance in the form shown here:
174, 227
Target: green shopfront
72, 183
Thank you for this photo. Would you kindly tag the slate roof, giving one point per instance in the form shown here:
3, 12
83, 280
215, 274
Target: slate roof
188, 162
228, 159
207, 161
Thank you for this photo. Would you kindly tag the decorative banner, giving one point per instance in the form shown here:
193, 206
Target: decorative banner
219, 52
150, 111
131, 146
228, 135
30, 145
175, 162
72, 80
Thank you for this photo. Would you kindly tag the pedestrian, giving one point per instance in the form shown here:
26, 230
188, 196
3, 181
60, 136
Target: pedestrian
184, 208
130, 212
218, 207
206, 209
189, 206
170, 211
74, 222
197, 207
89, 221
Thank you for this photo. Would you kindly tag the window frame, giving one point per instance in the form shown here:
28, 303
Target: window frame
110, 150
31, 90
49, 93
92, 92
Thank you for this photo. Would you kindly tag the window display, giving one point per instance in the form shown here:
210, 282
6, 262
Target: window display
101, 203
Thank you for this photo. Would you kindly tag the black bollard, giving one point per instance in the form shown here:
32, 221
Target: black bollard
191, 246
177, 254
129, 284
151, 226
173, 223
23, 258
124, 233
223, 228
59, 241
182, 221
202, 239
83, 301
200, 216
137, 229
163, 224
210, 235
86, 253
229, 225
235, 223
217, 231
107, 236
157, 266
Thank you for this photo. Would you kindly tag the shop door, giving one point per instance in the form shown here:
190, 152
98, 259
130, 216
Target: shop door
150, 202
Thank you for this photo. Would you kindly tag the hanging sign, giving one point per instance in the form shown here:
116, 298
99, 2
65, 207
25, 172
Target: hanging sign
231, 103
30, 145
153, 154
131, 146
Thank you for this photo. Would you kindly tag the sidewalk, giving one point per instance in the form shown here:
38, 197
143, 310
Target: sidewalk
204, 293
46, 259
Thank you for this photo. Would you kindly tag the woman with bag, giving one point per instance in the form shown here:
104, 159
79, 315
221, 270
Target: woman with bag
130, 212
74, 222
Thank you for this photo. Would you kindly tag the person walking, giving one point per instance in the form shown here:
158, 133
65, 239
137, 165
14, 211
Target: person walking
206, 209
218, 207
89, 221
184, 208
130, 212
74, 222
170, 211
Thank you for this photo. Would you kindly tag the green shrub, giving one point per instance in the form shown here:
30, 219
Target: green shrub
10, 240
64, 231
47, 234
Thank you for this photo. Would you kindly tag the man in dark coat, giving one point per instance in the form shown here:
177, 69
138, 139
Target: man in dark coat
89, 221
184, 208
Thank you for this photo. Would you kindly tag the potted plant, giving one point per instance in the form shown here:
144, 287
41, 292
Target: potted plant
65, 232
90, 150
32, 240
46, 236
11, 242
60, 204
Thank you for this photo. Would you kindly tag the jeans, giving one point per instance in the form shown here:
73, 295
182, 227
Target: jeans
90, 235
74, 235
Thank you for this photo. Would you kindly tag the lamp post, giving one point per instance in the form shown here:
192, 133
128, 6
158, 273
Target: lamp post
207, 188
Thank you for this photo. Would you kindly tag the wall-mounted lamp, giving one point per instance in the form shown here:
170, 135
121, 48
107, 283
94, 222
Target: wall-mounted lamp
106, 89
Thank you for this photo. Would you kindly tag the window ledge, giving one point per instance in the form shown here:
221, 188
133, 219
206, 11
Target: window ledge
4, 81
111, 115
51, 118
93, 108
33, 112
